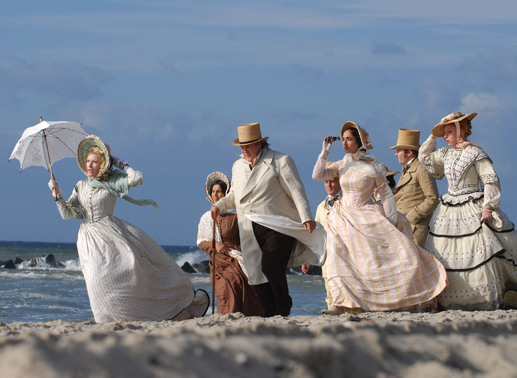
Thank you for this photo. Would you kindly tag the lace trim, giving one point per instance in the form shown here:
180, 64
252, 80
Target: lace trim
457, 200
457, 161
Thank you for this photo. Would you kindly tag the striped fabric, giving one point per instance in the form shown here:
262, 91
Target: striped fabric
370, 263
127, 274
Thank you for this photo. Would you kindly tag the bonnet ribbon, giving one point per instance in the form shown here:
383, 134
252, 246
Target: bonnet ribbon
118, 185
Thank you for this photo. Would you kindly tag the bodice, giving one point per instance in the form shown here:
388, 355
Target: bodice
95, 203
357, 188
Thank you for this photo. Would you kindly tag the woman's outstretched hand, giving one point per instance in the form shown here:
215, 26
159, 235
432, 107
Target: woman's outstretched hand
486, 214
52, 184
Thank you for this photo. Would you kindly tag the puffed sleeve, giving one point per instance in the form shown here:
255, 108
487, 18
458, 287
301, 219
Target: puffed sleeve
70, 208
432, 160
134, 178
489, 183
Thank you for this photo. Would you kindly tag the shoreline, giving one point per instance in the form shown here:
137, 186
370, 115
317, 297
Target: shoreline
391, 344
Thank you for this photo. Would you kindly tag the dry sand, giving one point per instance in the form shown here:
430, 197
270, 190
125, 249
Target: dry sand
445, 344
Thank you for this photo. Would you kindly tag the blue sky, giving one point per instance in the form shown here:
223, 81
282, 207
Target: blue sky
166, 84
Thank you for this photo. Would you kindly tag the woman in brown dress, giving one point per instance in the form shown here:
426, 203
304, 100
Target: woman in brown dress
234, 294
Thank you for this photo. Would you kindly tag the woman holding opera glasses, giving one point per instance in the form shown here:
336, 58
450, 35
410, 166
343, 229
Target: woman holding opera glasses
371, 265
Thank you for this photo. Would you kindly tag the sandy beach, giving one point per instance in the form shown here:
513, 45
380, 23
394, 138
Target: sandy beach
444, 344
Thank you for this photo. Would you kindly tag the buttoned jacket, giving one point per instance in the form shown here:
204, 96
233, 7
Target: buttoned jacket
273, 187
416, 197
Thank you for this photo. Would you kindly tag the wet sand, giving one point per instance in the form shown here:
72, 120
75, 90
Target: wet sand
444, 344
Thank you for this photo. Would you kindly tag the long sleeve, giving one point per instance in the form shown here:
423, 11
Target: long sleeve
64, 210
205, 233
292, 184
492, 196
432, 160
387, 199
430, 190
134, 178
320, 173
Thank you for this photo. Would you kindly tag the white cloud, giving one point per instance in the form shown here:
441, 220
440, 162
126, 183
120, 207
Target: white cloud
478, 102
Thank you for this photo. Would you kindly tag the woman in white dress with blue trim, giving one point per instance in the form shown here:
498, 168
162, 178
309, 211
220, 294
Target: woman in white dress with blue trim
128, 275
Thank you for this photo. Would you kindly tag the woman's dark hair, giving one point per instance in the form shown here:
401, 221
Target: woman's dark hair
355, 133
221, 183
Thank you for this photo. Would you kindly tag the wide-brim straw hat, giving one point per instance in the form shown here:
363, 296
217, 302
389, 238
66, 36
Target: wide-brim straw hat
450, 119
363, 134
388, 172
408, 139
249, 134
213, 177
82, 153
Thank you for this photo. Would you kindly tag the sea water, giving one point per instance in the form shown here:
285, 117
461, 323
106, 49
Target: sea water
44, 293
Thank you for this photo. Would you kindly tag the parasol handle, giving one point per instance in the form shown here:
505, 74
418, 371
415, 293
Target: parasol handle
54, 191
212, 272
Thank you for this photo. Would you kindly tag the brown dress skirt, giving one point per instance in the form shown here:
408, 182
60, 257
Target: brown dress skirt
234, 294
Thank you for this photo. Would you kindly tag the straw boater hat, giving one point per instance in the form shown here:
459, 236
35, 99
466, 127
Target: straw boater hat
82, 153
449, 120
408, 139
249, 134
213, 177
365, 137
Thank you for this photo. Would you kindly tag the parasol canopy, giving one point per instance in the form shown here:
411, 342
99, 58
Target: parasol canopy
47, 142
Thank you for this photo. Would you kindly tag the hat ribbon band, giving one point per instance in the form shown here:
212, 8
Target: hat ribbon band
250, 141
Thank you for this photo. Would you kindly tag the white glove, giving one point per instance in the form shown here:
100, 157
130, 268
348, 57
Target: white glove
119, 163
327, 146
52, 184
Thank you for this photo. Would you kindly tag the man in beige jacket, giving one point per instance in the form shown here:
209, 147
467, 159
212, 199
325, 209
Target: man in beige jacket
266, 182
322, 212
416, 195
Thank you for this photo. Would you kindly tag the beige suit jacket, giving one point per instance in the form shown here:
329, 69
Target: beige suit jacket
416, 197
273, 187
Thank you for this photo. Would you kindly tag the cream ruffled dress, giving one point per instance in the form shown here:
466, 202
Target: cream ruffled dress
480, 257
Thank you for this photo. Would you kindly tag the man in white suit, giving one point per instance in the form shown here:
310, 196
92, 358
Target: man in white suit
266, 182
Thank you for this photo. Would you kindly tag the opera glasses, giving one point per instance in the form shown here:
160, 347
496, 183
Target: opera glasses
331, 139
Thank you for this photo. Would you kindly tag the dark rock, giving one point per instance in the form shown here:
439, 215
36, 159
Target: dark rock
202, 267
9, 264
188, 268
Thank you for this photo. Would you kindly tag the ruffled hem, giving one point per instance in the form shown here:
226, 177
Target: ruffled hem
481, 289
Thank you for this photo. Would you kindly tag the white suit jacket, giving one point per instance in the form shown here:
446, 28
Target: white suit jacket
273, 187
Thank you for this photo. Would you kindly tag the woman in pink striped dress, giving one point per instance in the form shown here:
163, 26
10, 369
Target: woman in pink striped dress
371, 264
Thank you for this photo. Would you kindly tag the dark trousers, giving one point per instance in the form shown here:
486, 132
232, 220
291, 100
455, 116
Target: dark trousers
276, 250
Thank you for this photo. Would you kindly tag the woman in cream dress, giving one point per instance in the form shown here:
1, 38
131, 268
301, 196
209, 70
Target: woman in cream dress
469, 234
127, 274
371, 264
